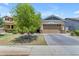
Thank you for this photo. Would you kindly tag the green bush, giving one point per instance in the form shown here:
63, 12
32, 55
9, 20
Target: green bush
75, 32
14, 32
9, 31
72, 33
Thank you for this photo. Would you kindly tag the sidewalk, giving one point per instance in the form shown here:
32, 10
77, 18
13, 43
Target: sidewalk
38, 50
19, 50
15, 50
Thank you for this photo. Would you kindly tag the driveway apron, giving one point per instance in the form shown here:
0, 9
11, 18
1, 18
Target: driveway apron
62, 45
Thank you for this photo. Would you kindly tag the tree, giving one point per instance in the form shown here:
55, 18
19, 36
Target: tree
1, 22
25, 18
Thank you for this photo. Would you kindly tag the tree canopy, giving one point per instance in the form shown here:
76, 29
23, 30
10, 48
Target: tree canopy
25, 18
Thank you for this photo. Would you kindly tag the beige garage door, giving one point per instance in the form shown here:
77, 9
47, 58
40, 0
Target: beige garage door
51, 28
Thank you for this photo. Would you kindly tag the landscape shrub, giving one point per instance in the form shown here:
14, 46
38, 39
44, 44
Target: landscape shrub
72, 33
75, 32
12, 31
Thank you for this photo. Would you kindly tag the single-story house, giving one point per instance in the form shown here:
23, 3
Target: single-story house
51, 24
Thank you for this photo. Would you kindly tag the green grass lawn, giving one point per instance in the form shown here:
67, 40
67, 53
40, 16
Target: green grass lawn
9, 37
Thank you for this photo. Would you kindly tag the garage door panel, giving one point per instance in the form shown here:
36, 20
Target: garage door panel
50, 26
47, 28
51, 31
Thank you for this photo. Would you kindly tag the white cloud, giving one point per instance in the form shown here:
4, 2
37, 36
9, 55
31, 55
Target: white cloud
46, 13
5, 14
53, 11
60, 15
8, 14
76, 16
49, 11
76, 12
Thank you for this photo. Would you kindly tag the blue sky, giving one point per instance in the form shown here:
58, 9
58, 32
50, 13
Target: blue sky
63, 10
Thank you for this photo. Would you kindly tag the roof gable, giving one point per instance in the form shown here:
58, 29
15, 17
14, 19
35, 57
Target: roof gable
53, 17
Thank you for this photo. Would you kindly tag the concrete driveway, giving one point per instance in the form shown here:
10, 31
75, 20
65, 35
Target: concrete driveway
62, 45
58, 45
59, 39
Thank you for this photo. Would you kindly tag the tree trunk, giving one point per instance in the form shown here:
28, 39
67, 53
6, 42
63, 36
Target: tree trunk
29, 35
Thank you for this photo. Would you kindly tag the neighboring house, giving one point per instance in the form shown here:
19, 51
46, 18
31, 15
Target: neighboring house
51, 24
71, 23
8, 23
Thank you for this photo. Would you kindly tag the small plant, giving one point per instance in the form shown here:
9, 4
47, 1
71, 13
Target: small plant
75, 32
72, 33
14, 32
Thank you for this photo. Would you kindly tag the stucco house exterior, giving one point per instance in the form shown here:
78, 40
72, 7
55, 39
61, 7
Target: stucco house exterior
51, 24
8, 23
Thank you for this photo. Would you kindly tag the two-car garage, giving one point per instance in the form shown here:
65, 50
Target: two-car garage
51, 28
52, 24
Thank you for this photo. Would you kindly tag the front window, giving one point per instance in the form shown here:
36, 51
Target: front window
12, 26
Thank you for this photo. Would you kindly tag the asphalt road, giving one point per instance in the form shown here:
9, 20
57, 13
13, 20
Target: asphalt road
60, 40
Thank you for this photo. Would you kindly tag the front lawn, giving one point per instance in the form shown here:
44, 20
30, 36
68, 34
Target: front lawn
10, 38
6, 38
